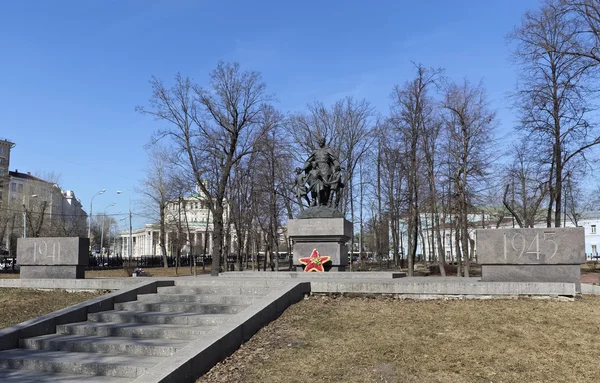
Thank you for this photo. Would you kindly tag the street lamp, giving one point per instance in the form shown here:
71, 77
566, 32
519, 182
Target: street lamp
90, 221
130, 246
25, 216
103, 218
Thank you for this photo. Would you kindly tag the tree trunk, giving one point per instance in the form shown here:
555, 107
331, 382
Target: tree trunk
457, 246
162, 233
217, 237
441, 253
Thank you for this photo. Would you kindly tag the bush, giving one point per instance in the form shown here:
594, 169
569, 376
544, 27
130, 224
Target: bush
129, 267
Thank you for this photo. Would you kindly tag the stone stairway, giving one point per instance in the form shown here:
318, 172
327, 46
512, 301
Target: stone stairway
119, 345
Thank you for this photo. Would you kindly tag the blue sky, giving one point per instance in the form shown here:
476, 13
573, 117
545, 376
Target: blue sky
72, 72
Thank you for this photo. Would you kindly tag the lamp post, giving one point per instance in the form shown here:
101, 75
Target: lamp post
90, 221
103, 218
118, 230
25, 216
130, 245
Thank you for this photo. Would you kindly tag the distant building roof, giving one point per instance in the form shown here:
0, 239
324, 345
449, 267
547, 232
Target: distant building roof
26, 176
590, 214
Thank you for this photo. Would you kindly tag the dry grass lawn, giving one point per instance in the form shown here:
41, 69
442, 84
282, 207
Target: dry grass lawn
19, 305
354, 340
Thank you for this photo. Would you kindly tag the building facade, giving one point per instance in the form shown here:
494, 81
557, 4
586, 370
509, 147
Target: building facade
190, 216
50, 211
5, 147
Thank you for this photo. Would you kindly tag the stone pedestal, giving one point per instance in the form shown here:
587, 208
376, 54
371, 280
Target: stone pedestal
327, 235
53, 257
531, 255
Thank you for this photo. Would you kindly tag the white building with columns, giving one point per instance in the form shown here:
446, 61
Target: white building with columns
192, 215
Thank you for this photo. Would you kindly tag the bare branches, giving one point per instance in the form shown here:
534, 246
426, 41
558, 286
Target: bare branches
553, 98
212, 129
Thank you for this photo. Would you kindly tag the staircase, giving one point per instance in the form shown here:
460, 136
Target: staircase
119, 345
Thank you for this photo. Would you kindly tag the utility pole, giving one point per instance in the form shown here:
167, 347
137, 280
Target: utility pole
130, 235
130, 246
24, 221
360, 239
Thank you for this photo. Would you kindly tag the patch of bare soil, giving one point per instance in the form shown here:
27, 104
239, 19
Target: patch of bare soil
352, 340
19, 305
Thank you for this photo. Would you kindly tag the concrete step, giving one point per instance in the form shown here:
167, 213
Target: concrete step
241, 282
134, 330
158, 318
27, 376
110, 345
128, 366
209, 290
182, 307
215, 298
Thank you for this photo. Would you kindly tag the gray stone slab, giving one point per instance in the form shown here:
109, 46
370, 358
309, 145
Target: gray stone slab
532, 273
376, 275
320, 227
531, 246
28, 376
586, 288
320, 212
75, 284
337, 251
327, 235
53, 251
471, 288
134, 330
57, 272
107, 345
128, 366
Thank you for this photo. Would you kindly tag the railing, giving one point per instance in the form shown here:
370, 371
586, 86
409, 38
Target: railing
145, 261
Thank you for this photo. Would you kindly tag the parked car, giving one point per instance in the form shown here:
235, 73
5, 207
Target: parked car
7, 265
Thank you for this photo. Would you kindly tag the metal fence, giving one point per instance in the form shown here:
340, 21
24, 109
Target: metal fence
145, 261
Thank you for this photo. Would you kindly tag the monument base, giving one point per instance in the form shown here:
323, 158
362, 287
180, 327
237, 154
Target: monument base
52, 272
532, 273
53, 257
326, 235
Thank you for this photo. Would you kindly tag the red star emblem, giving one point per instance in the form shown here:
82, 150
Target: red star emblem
315, 262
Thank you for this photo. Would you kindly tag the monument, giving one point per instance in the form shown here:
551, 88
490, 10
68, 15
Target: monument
53, 257
320, 232
531, 255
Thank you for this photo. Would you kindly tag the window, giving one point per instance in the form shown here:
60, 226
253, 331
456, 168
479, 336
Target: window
1, 171
2, 150
593, 229
13, 187
2, 160
594, 249
19, 188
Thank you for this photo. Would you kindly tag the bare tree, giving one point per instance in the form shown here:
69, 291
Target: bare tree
469, 124
157, 190
212, 129
413, 114
525, 187
553, 97
393, 184
584, 18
